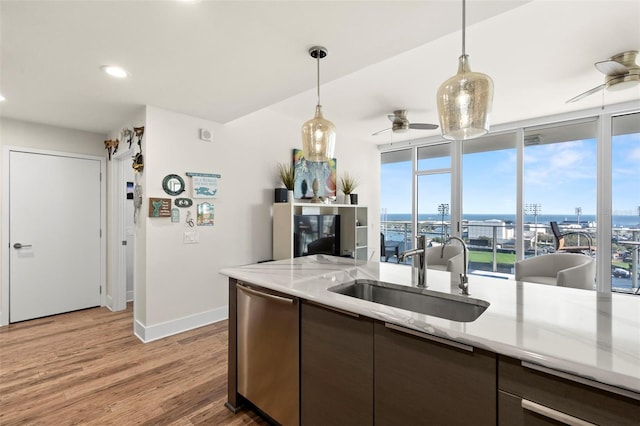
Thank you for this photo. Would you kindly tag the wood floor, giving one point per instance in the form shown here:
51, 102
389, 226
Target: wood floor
87, 368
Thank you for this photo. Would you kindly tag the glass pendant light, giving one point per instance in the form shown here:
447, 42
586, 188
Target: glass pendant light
464, 100
318, 134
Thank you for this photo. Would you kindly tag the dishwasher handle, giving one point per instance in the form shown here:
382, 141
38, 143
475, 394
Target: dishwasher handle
265, 295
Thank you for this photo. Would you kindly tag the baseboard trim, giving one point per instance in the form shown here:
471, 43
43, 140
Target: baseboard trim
159, 331
109, 303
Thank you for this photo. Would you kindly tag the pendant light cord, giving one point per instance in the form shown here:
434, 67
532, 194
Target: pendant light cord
318, 74
464, 13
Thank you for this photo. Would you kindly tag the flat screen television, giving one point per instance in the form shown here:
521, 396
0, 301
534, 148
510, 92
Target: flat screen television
316, 234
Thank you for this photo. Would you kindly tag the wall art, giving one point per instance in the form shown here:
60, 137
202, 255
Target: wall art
183, 202
307, 171
159, 207
111, 146
205, 214
138, 159
205, 185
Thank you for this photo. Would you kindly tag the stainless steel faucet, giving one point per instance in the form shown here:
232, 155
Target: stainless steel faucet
422, 259
464, 279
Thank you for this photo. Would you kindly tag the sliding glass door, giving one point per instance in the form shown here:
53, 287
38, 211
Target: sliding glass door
560, 186
396, 174
489, 170
625, 202
518, 193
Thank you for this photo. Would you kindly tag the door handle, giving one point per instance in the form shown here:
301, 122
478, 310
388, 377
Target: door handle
553, 414
19, 246
265, 295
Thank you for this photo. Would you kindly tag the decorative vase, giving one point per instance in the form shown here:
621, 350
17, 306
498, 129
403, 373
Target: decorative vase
290, 196
280, 195
353, 198
347, 199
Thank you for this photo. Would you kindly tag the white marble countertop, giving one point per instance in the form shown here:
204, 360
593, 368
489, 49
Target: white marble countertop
581, 332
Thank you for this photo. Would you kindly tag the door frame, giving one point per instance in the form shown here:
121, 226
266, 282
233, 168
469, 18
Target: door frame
117, 301
4, 280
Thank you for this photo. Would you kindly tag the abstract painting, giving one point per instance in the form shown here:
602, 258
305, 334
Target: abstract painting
307, 171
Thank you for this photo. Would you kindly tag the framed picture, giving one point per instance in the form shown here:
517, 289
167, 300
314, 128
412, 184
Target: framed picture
159, 207
306, 172
205, 185
205, 214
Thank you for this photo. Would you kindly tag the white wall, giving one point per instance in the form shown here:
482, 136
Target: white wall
124, 157
42, 136
17, 133
178, 285
181, 281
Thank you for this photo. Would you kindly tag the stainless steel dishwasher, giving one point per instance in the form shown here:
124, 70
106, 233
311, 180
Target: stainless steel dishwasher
268, 348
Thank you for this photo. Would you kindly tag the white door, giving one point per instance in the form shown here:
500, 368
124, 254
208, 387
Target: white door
54, 232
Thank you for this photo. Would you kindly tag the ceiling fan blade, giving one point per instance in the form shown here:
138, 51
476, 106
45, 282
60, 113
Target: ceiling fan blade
585, 94
381, 131
423, 126
611, 67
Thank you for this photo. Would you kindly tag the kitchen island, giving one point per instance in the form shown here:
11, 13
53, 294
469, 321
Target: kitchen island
568, 335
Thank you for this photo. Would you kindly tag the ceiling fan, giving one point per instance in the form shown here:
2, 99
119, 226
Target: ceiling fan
621, 72
400, 123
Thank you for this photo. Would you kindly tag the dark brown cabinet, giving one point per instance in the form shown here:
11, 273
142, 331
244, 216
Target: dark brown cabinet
356, 370
533, 395
421, 381
336, 367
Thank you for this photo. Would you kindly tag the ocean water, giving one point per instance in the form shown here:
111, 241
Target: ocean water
619, 221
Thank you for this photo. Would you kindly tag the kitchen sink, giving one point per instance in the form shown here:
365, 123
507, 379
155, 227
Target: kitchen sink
443, 305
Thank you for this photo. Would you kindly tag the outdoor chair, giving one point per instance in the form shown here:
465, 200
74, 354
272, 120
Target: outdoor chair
560, 243
450, 259
386, 248
559, 269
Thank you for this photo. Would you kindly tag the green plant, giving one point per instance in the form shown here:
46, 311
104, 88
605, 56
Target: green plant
348, 183
287, 175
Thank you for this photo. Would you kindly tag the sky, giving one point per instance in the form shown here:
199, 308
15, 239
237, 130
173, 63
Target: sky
559, 177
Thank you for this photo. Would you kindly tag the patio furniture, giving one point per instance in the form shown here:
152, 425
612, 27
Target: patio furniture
386, 248
450, 259
559, 269
560, 242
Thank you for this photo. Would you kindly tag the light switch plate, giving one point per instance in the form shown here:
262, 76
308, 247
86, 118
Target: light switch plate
191, 237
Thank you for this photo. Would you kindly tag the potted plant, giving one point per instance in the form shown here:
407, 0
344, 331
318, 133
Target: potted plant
348, 183
286, 172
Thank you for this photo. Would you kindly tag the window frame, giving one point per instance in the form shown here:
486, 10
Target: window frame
604, 118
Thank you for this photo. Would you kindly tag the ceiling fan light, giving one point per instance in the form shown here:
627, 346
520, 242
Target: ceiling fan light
622, 82
400, 126
464, 103
318, 138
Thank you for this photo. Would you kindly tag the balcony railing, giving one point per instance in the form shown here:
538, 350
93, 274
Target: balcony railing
495, 253
436, 231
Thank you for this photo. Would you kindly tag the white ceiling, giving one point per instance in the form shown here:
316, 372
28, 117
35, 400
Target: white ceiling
222, 60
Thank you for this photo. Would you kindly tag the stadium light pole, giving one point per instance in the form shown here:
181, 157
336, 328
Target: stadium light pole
534, 209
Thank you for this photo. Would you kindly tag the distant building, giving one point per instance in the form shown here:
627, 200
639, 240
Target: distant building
484, 228
540, 228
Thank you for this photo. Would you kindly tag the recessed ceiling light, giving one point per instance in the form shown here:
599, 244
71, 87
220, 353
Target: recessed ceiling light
115, 71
